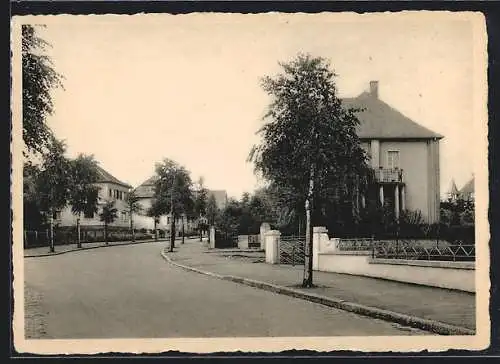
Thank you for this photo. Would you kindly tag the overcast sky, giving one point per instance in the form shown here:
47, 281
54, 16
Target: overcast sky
140, 88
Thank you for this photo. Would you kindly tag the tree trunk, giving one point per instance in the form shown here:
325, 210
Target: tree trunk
78, 239
182, 228
308, 272
208, 233
132, 227
200, 230
172, 233
156, 229
52, 232
106, 233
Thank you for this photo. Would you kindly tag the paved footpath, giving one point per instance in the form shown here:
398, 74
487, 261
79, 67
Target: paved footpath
43, 251
450, 307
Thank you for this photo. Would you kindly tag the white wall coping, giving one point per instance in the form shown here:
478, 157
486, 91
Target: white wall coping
347, 252
424, 263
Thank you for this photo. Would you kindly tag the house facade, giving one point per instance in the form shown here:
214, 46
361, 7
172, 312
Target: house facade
403, 154
110, 189
145, 192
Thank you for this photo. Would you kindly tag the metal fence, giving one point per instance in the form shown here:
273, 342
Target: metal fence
254, 241
359, 244
33, 239
292, 250
410, 250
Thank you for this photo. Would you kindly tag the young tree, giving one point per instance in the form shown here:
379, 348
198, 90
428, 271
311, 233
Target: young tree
155, 211
134, 207
212, 212
108, 215
173, 193
200, 205
39, 79
83, 196
309, 143
53, 183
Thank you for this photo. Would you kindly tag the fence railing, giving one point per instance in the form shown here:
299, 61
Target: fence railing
360, 244
389, 175
254, 241
39, 238
292, 250
408, 250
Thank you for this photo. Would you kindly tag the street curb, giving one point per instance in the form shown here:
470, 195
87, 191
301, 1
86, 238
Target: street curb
93, 247
386, 315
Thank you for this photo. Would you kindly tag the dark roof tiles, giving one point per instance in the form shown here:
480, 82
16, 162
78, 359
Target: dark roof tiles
378, 120
106, 177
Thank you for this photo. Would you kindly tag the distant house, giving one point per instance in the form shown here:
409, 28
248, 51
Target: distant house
452, 193
110, 189
220, 197
467, 191
145, 193
404, 155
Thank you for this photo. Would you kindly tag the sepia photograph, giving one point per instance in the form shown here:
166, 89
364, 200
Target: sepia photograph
215, 182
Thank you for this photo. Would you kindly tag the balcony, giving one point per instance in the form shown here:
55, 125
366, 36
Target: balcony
389, 175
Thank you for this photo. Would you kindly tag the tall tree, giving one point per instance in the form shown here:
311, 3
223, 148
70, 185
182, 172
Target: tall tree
39, 79
212, 212
309, 142
173, 193
53, 183
134, 207
33, 219
200, 205
84, 194
108, 215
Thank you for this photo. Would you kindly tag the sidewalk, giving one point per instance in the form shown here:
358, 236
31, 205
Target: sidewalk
446, 306
44, 251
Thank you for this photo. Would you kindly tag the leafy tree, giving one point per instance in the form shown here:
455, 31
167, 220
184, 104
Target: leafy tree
309, 143
108, 215
228, 221
83, 196
134, 207
39, 79
200, 205
33, 219
53, 183
173, 193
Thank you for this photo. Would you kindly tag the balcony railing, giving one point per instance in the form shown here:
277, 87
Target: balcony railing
389, 175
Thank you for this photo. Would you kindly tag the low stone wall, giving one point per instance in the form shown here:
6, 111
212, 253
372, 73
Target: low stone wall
243, 241
451, 275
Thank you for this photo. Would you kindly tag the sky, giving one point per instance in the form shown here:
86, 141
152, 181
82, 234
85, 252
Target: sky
187, 87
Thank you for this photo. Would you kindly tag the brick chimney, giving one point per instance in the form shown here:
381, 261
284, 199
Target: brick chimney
374, 89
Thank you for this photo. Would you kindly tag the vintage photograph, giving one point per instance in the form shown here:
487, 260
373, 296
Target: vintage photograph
220, 182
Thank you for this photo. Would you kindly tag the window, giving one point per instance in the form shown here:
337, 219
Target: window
110, 192
124, 216
89, 214
392, 159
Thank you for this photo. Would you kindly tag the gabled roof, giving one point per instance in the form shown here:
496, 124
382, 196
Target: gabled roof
145, 189
106, 177
468, 188
378, 120
453, 188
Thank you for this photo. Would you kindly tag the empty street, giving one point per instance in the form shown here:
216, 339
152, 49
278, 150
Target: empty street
132, 292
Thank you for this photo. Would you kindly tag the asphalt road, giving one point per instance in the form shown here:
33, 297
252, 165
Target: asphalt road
132, 292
